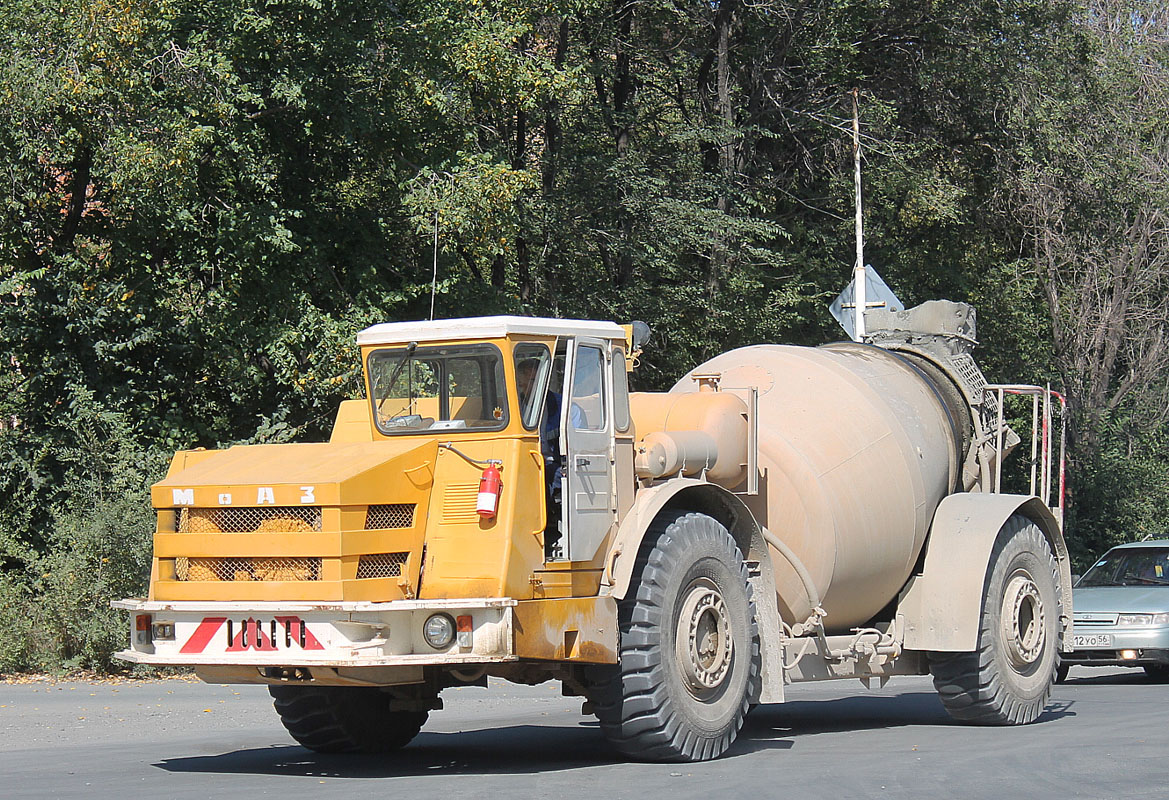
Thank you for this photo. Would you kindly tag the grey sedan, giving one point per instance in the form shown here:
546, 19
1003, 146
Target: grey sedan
1121, 610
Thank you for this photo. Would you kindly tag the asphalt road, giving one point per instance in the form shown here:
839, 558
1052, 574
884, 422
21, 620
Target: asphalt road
1104, 736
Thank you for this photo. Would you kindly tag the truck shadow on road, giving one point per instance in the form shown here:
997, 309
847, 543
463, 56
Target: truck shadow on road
530, 749
517, 749
794, 719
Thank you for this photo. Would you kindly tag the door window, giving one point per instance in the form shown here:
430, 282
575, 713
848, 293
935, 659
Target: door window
533, 363
588, 397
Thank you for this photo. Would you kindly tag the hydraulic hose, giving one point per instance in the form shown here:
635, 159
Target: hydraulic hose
818, 613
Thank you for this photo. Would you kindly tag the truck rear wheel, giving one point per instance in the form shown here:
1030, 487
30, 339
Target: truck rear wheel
1008, 680
344, 719
689, 646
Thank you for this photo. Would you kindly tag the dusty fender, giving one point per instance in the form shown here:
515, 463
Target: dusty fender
692, 494
941, 607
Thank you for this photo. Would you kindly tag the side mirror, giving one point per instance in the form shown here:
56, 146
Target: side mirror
641, 335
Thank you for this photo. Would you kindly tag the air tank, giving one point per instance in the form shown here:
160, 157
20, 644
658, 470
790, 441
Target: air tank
857, 447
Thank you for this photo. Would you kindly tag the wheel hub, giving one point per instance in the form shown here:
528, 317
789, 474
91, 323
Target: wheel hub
704, 640
1023, 628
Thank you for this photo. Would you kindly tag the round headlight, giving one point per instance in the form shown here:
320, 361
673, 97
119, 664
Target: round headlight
439, 631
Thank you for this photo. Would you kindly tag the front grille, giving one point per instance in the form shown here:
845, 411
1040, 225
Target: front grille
248, 569
1094, 620
396, 515
274, 519
381, 565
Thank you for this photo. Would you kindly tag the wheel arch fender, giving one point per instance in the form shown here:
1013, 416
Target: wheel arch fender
692, 494
942, 605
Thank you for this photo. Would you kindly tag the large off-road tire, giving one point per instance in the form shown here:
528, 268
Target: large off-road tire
344, 719
689, 646
1008, 680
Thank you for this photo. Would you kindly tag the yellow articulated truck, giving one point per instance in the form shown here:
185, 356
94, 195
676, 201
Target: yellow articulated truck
500, 504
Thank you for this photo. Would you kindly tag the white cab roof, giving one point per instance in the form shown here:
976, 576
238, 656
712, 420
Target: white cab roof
485, 328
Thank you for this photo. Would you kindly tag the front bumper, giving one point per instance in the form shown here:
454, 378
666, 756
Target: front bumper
305, 634
1146, 646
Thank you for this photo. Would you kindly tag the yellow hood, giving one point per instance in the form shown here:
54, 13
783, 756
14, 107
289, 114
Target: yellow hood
296, 474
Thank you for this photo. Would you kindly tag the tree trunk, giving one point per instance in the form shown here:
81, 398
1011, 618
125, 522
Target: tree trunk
551, 158
76, 199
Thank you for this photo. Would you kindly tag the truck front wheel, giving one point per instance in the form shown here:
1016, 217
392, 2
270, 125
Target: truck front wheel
344, 719
1007, 681
689, 646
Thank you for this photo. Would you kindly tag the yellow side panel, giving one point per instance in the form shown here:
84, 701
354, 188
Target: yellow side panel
582, 629
467, 556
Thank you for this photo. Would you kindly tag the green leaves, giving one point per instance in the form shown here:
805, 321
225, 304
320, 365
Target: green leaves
206, 201
475, 203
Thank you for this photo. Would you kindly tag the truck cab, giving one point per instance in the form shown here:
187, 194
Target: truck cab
554, 391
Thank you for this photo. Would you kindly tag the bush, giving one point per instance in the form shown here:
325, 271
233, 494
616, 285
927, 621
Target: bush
55, 605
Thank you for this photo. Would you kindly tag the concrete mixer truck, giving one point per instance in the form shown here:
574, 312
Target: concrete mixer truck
499, 504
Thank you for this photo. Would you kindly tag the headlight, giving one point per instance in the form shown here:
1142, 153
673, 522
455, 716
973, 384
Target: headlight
439, 631
1142, 620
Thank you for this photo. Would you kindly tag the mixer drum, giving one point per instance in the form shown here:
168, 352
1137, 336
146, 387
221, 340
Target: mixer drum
856, 451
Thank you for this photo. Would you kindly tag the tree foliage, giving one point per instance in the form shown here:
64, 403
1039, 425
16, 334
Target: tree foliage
207, 200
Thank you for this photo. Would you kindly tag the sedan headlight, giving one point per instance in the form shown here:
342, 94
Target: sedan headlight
1142, 620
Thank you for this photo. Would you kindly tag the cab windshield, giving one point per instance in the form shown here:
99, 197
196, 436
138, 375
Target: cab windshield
1144, 566
452, 387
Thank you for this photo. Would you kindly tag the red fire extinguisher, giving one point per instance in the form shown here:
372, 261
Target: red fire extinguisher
489, 486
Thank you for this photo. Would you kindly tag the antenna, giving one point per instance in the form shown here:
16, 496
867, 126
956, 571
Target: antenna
860, 302
434, 272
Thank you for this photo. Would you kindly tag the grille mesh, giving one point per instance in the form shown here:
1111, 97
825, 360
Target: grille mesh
274, 519
248, 569
381, 565
396, 515
969, 373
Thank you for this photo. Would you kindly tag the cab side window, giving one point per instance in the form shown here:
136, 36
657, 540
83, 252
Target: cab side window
621, 419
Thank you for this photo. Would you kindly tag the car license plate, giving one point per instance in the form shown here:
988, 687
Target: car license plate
1091, 640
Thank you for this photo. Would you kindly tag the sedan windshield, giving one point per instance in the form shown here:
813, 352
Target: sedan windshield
430, 388
1144, 566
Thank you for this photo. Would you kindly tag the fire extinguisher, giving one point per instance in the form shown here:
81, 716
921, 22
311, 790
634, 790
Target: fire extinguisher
489, 486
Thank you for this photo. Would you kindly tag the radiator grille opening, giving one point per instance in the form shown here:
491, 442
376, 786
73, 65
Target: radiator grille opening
247, 569
381, 565
273, 519
396, 515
